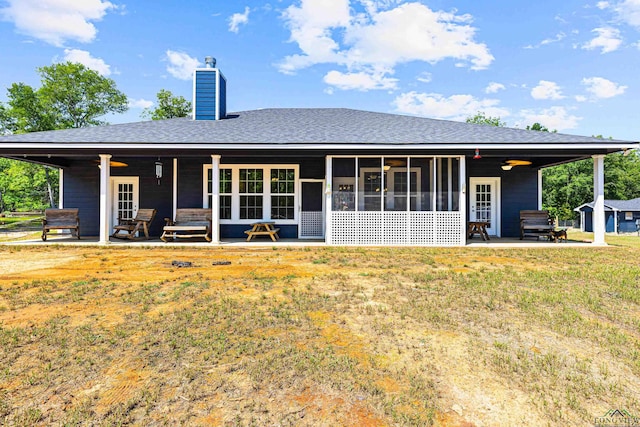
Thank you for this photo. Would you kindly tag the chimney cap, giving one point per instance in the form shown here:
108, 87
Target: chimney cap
209, 62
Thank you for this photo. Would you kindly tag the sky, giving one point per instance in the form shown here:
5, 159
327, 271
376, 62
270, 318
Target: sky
571, 65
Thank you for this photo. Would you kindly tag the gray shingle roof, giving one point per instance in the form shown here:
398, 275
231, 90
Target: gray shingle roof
621, 205
301, 126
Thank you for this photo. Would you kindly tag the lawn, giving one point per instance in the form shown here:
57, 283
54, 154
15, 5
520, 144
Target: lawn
322, 336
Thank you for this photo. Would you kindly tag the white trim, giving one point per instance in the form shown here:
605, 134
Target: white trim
599, 226
215, 198
266, 194
70, 146
105, 197
539, 189
495, 181
60, 188
328, 198
115, 180
324, 207
174, 196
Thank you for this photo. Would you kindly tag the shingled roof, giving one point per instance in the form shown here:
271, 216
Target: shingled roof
617, 205
306, 126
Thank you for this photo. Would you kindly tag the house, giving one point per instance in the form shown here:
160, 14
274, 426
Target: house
342, 175
621, 216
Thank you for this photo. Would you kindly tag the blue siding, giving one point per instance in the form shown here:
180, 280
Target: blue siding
519, 191
205, 95
223, 97
82, 190
624, 225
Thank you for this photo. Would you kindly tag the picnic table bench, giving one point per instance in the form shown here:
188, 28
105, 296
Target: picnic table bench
535, 223
188, 223
61, 219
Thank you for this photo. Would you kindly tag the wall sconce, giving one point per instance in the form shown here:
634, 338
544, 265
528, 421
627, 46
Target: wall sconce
477, 155
158, 170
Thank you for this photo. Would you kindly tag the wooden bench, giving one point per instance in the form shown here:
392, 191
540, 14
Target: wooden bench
535, 223
263, 228
61, 219
189, 222
127, 228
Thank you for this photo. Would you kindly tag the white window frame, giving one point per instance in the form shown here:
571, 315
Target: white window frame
266, 194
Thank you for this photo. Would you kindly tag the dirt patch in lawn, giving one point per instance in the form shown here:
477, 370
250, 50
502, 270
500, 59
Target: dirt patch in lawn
322, 336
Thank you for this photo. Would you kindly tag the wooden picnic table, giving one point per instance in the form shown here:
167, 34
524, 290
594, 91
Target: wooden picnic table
479, 227
263, 228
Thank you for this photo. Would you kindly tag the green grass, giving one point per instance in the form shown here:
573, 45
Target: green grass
384, 336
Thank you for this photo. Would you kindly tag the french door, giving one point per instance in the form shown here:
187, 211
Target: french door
125, 197
484, 203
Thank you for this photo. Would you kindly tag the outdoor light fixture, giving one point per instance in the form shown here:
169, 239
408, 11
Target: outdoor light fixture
477, 155
158, 170
508, 164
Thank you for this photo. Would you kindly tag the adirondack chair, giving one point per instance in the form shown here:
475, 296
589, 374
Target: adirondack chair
61, 219
127, 228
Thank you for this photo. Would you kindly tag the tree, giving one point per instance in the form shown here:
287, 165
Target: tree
481, 119
77, 96
71, 96
169, 107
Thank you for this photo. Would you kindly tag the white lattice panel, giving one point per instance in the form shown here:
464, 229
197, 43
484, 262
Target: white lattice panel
311, 224
396, 228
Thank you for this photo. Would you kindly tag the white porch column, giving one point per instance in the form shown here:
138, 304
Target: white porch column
539, 189
215, 198
60, 188
175, 189
105, 197
598, 197
462, 200
327, 198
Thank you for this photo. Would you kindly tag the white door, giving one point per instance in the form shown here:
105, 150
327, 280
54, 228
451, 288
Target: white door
484, 203
125, 197
311, 209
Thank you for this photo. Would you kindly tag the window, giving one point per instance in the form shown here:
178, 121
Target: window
283, 193
251, 189
225, 192
251, 192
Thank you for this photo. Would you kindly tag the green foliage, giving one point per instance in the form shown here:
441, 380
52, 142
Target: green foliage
169, 107
23, 186
77, 95
71, 96
568, 186
481, 119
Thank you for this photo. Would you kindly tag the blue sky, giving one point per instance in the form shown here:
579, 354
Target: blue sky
570, 65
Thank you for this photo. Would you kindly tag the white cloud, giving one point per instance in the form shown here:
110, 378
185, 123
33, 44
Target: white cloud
603, 5
608, 40
581, 98
55, 21
546, 90
627, 11
455, 107
85, 58
601, 88
362, 81
181, 65
379, 37
559, 37
494, 87
425, 77
140, 103
238, 19
554, 118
